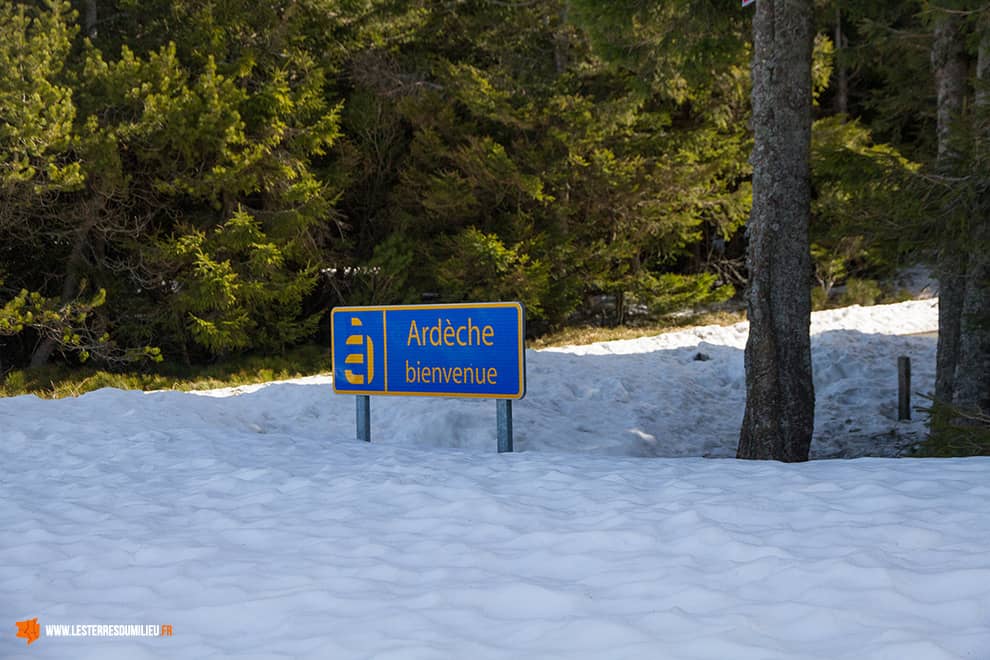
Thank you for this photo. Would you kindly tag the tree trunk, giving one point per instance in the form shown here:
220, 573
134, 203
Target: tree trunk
842, 78
780, 397
90, 19
972, 373
70, 288
949, 65
560, 43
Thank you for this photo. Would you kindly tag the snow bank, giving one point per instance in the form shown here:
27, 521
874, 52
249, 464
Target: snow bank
252, 522
652, 397
272, 545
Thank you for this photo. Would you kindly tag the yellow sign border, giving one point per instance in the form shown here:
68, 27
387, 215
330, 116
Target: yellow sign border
521, 318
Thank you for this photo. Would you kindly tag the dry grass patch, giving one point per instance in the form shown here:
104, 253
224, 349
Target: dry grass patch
591, 334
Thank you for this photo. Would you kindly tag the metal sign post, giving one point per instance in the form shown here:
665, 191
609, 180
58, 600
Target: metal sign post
473, 350
363, 414
503, 413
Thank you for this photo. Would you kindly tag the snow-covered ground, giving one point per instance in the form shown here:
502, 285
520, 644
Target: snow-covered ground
253, 523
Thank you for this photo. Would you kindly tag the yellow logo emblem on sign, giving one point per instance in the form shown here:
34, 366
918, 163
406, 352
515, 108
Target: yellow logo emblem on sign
366, 357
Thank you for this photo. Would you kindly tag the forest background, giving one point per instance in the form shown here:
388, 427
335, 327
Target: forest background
188, 181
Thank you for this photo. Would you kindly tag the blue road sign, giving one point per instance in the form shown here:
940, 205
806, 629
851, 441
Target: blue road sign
469, 350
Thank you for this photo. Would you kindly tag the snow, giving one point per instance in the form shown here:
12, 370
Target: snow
253, 522
652, 397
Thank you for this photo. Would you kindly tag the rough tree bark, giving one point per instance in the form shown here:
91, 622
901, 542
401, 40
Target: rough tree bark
972, 373
780, 396
949, 65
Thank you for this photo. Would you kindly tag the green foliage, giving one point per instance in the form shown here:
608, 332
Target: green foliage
217, 174
588, 334
860, 292
66, 325
866, 212
956, 432
383, 279
819, 299
886, 58
184, 172
822, 64
234, 289
671, 292
831, 261
57, 380
513, 161
678, 48
480, 267
69, 326
36, 107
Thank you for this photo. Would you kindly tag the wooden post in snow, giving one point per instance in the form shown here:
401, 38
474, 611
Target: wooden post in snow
903, 387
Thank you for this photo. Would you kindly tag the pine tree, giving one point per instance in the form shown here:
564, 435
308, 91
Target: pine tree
510, 138
213, 127
38, 168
